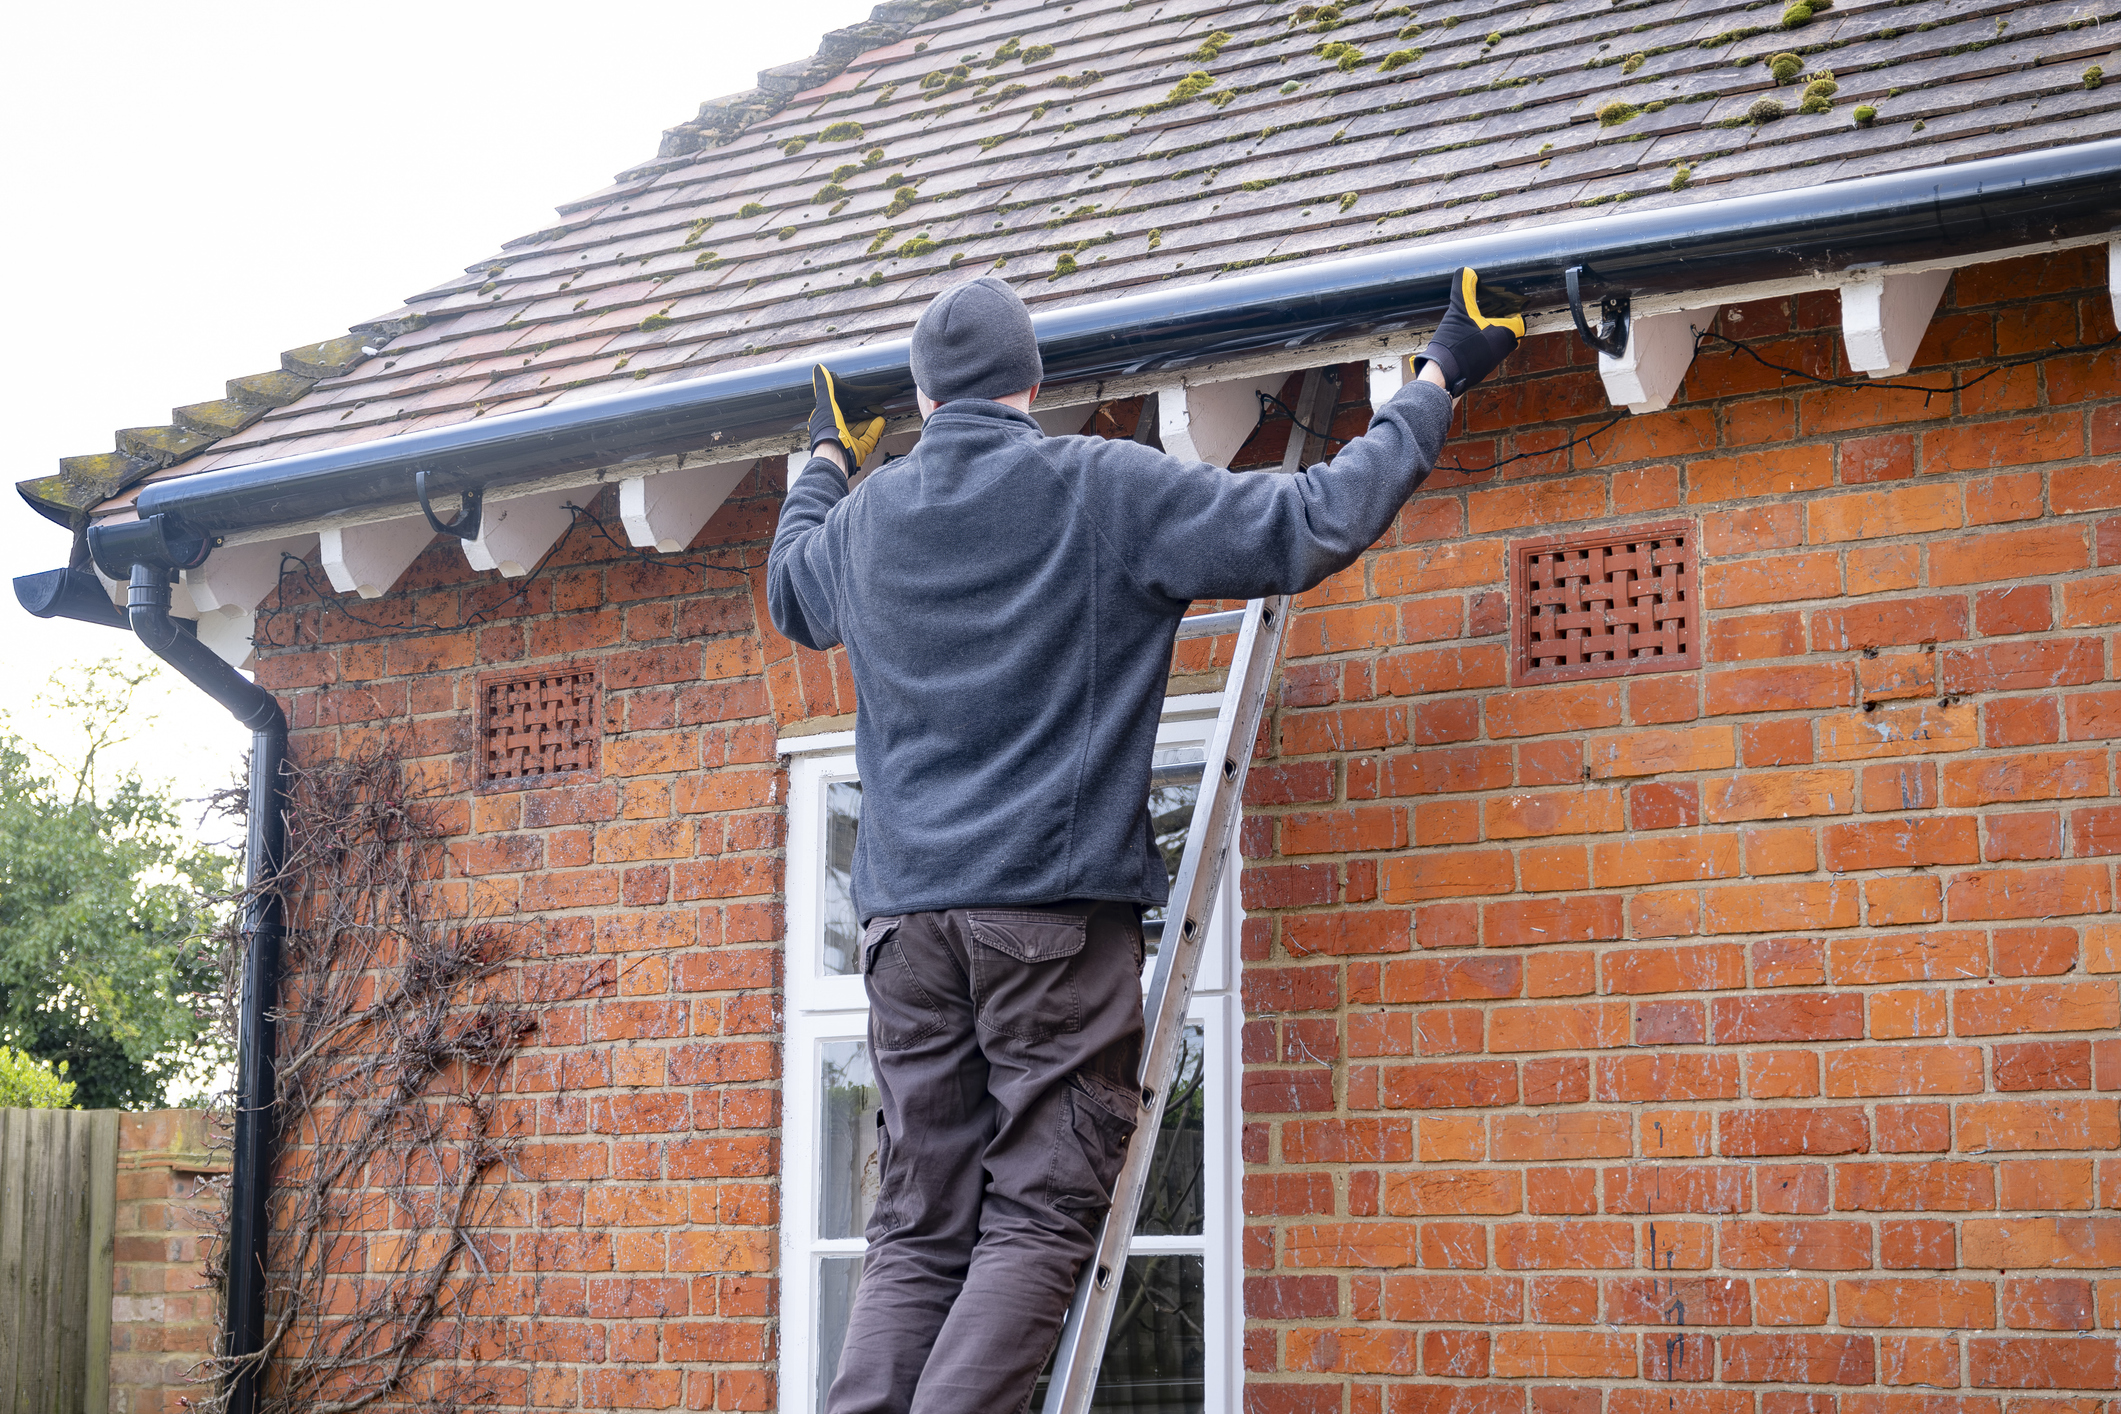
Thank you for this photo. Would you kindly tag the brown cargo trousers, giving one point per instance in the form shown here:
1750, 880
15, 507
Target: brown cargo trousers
1006, 1044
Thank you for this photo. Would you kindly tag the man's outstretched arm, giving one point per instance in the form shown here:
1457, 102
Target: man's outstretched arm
1190, 530
801, 592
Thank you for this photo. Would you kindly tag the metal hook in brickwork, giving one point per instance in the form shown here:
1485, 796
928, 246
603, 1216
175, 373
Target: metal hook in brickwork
465, 526
1611, 339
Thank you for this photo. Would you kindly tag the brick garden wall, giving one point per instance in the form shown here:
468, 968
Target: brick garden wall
1729, 1040
164, 1318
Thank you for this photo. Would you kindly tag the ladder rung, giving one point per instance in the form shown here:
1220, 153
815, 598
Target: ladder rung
1210, 625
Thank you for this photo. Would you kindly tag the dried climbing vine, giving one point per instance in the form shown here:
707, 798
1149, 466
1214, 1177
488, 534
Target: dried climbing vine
399, 1013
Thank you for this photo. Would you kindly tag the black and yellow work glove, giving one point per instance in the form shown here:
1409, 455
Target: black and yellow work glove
829, 424
1469, 344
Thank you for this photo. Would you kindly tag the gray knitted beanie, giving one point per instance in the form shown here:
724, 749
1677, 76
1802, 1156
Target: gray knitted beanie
975, 341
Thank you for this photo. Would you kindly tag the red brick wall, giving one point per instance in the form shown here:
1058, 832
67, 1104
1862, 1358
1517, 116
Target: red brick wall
1724, 1040
633, 1266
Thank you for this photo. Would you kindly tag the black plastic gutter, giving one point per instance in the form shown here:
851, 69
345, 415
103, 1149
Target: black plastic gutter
76, 594
1961, 209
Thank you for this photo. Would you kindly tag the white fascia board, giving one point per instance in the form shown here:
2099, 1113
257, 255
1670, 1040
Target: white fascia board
2113, 275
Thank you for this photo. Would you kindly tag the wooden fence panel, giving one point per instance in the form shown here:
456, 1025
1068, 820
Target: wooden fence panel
58, 1199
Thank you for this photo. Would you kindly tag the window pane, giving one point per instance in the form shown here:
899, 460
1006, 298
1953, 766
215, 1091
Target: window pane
837, 1277
1174, 787
843, 931
1156, 1357
1172, 1201
848, 1174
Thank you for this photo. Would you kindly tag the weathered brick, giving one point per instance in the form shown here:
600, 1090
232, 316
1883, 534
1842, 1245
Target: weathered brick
1567, 1246
2066, 1362
1563, 1355
1961, 1305
1903, 1070
1777, 795
2029, 893
2048, 1123
1755, 1133
1661, 1188
1798, 1358
1914, 1187
2042, 1006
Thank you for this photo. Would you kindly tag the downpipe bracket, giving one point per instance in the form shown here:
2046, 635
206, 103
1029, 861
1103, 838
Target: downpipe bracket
1611, 336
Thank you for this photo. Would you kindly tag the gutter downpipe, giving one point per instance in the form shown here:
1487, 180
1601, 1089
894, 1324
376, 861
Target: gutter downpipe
147, 610
148, 554
1962, 208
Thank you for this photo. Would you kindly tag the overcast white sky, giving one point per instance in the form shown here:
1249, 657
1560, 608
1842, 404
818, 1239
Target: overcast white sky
192, 188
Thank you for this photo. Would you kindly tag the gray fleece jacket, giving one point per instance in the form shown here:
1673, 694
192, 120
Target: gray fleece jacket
1009, 603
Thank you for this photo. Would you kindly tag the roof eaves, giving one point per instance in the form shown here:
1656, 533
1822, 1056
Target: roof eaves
87, 481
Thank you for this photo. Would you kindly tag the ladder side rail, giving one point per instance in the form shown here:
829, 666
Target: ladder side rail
1081, 1346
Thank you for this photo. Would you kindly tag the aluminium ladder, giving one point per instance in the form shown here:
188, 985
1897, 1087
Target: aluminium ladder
1259, 628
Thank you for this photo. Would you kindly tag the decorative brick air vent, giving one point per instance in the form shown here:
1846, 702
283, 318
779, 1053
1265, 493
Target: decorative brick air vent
1604, 604
540, 728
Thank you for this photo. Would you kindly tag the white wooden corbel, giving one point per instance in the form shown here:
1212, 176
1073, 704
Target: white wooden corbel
1647, 375
515, 534
1883, 319
367, 559
228, 588
237, 578
228, 633
664, 511
1209, 422
1388, 374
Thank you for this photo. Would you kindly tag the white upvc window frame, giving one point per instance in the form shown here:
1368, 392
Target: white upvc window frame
822, 1008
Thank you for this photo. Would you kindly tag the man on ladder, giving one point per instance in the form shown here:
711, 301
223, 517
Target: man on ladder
1009, 603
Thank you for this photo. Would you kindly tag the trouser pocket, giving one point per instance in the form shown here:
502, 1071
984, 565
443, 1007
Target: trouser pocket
901, 1011
1096, 1117
1024, 972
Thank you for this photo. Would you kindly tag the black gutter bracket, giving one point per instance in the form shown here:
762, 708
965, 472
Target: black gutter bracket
1611, 339
466, 525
